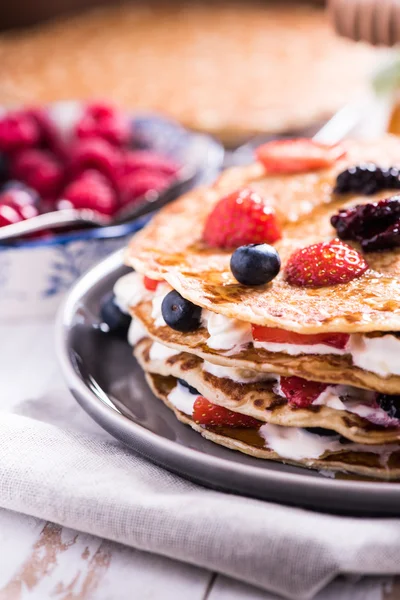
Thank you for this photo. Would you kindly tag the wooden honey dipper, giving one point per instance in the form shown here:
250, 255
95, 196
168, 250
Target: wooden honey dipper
373, 21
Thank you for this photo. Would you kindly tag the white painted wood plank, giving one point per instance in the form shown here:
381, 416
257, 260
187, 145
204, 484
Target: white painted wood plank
40, 561
369, 588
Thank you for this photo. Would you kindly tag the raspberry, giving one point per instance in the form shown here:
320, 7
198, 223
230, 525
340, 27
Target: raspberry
299, 392
206, 413
106, 122
239, 219
324, 264
91, 190
137, 184
40, 170
49, 137
297, 155
95, 154
139, 160
150, 284
376, 225
18, 130
16, 205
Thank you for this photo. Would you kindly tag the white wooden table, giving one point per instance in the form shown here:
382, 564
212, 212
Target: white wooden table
40, 561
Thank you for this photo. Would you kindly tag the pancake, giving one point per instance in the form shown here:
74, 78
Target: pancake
327, 368
378, 462
170, 248
259, 399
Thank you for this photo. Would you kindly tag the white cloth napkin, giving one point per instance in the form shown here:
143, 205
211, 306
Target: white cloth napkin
56, 464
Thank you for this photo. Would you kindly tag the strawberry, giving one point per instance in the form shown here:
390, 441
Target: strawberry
150, 284
324, 264
206, 413
281, 336
241, 218
297, 155
299, 392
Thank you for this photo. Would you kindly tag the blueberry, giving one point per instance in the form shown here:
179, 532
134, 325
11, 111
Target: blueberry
255, 264
191, 389
117, 321
180, 314
391, 404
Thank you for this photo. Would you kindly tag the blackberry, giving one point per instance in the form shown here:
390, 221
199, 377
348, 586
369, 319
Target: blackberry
367, 179
376, 226
390, 404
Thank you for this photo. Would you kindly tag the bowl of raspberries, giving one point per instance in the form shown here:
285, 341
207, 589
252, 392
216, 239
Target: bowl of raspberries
82, 155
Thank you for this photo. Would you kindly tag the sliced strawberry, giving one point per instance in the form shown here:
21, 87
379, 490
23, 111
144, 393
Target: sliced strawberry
299, 392
297, 155
206, 413
241, 218
150, 284
281, 336
324, 264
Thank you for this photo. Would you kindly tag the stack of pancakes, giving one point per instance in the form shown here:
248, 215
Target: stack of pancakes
352, 425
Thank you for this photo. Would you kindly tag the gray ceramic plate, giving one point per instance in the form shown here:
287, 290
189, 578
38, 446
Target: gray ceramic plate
107, 382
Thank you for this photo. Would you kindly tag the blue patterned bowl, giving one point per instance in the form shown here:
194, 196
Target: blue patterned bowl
35, 275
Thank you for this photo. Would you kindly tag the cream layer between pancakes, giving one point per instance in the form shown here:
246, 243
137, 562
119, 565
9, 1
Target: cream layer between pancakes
377, 353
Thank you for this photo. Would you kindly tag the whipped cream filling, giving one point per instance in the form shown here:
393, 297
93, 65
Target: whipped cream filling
182, 399
296, 443
381, 355
237, 375
160, 352
129, 291
225, 333
136, 332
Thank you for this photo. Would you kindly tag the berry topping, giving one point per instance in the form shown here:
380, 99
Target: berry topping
150, 284
390, 404
180, 314
21, 201
138, 183
18, 130
91, 190
145, 160
297, 155
191, 389
40, 170
49, 135
95, 154
367, 179
299, 392
241, 218
376, 225
117, 322
212, 415
101, 120
255, 264
324, 264
281, 336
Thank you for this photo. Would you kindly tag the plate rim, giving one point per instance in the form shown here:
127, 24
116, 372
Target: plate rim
112, 420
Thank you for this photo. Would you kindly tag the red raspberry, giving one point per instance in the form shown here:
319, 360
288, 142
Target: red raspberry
239, 219
206, 413
21, 201
299, 392
91, 190
324, 264
18, 130
150, 284
106, 122
137, 184
95, 154
49, 137
39, 170
139, 160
